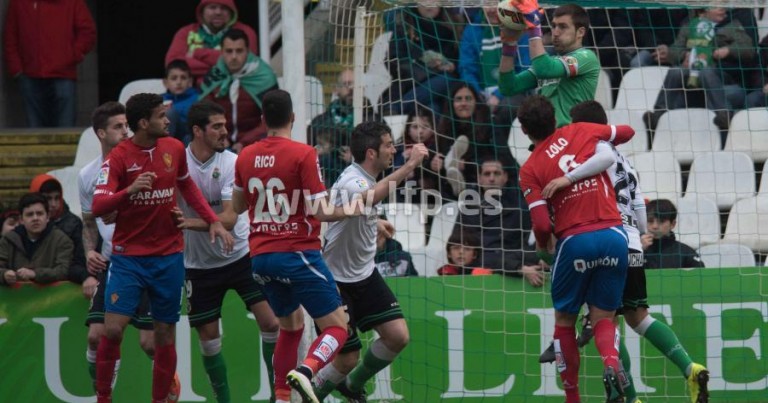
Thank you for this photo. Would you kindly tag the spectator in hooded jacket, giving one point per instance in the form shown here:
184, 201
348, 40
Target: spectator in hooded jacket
199, 43
43, 42
68, 223
35, 250
252, 77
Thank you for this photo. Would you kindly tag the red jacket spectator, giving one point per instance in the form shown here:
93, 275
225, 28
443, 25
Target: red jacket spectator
199, 45
47, 38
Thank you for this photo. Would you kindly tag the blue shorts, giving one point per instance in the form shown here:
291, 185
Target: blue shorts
161, 276
291, 279
590, 267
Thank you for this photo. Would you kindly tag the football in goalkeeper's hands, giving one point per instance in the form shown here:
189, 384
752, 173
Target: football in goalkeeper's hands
510, 16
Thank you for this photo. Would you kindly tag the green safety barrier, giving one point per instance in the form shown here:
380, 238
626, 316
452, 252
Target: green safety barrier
472, 339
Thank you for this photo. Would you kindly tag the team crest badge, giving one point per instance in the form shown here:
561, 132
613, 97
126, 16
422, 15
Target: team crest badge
114, 297
216, 173
168, 160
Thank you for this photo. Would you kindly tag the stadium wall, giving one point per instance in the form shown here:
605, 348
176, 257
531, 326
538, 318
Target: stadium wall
472, 339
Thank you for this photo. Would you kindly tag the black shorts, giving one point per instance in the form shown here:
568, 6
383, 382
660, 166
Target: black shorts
141, 320
368, 303
206, 289
635, 292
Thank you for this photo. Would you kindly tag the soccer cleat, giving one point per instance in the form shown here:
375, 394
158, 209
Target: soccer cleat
586, 332
302, 383
548, 356
614, 393
174, 393
352, 397
697, 383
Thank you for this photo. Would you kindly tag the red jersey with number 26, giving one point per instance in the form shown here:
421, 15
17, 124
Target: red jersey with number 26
586, 205
276, 175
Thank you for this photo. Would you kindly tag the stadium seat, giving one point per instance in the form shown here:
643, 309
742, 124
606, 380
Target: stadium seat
88, 148
698, 221
727, 255
639, 142
519, 143
763, 188
410, 224
377, 78
762, 25
313, 93
640, 87
659, 175
397, 124
748, 224
686, 132
149, 85
722, 176
442, 225
603, 93
68, 178
748, 133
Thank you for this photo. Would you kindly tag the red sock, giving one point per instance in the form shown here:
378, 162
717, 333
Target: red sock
325, 347
607, 342
285, 356
106, 355
568, 361
163, 371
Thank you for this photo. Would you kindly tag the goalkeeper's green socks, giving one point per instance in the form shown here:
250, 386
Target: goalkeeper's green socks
326, 381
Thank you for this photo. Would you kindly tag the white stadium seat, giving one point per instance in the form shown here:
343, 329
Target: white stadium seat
519, 143
726, 255
377, 78
640, 87
659, 175
686, 132
748, 133
603, 93
698, 221
149, 85
748, 224
639, 142
410, 224
397, 124
88, 148
722, 176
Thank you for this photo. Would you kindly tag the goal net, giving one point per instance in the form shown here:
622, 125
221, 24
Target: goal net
429, 69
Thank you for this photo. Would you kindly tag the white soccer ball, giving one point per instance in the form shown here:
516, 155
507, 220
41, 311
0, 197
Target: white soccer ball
510, 16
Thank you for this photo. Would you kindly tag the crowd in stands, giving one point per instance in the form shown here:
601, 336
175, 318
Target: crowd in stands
444, 64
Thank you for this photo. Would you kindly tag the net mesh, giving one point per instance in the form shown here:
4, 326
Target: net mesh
706, 157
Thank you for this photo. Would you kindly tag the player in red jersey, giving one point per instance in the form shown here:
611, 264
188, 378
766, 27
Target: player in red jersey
278, 181
139, 180
591, 254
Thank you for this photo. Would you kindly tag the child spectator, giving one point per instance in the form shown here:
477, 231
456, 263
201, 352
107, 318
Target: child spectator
662, 250
462, 251
35, 250
178, 81
9, 219
391, 260
419, 128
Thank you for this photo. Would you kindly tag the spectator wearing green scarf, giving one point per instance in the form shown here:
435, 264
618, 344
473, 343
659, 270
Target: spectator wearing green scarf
237, 82
199, 44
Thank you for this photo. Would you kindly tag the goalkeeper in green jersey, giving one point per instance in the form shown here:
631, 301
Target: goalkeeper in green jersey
566, 79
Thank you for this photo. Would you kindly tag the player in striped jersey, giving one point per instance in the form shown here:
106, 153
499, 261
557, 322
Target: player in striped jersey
210, 272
